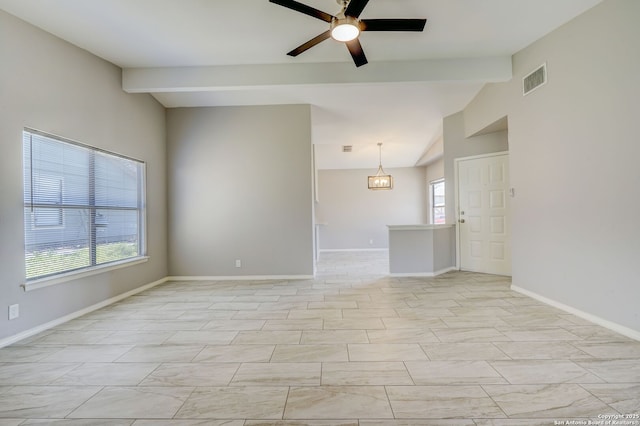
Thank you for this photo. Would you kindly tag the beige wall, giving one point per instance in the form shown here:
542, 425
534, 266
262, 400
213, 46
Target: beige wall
50, 85
240, 187
435, 170
353, 215
573, 160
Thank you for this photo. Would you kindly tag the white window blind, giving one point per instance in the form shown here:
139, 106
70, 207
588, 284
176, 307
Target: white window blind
83, 207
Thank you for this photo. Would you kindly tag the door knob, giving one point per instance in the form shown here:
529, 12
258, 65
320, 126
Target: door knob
461, 220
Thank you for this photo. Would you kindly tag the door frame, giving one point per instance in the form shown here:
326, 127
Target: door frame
456, 162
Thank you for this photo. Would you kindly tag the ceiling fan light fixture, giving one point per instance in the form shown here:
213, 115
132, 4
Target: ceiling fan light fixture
345, 29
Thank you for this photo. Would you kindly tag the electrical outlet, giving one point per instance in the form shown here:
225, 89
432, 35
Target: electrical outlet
238, 263
14, 311
371, 242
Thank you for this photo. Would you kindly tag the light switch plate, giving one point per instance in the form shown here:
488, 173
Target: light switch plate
14, 311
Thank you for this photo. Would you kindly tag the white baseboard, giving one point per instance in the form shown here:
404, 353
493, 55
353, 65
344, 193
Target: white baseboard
43, 327
424, 274
625, 331
351, 250
240, 278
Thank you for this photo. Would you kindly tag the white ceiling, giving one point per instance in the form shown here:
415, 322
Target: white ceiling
236, 51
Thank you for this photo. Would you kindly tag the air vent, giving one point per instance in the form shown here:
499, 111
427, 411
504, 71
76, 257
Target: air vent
347, 148
534, 79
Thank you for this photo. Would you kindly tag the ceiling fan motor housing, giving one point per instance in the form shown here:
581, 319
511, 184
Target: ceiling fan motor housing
345, 29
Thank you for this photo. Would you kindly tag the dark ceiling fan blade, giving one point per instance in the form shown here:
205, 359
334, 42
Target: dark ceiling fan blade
303, 8
392, 24
308, 45
355, 7
355, 48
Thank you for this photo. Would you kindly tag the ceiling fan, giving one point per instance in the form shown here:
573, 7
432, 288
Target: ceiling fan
345, 26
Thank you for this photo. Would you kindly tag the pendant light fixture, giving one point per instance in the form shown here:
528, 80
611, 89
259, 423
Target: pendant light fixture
381, 180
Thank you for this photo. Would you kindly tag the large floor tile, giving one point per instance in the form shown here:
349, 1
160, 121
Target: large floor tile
107, 374
369, 313
354, 324
538, 334
611, 350
80, 337
235, 403
326, 314
301, 423
614, 371
519, 422
536, 320
204, 337
32, 373
13, 422
294, 324
261, 314
400, 323
625, 398
278, 337
453, 373
206, 315
328, 402
235, 353
161, 353
77, 422
191, 374
136, 338
419, 422
463, 351
27, 353
43, 401
469, 321
554, 401
470, 335
328, 337
277, 374
544, 371
175, 325
541, 350
441, 402
234, 325
186, 422
405, 335
133, 402
89, 353
118, 324
365, 373
386, 352
594, 333
310, 353
234, 306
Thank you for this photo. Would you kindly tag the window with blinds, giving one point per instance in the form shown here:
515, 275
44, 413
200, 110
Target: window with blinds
83, 207
437, 202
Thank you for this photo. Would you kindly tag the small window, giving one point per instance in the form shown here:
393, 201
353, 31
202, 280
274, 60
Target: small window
83, 207
436, 192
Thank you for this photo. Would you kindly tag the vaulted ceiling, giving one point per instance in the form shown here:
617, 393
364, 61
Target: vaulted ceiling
233, 52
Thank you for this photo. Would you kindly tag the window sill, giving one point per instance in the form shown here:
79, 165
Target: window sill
70, 276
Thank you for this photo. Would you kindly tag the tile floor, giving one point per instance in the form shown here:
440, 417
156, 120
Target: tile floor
352, 347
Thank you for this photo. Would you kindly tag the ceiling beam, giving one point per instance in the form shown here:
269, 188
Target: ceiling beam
211, 78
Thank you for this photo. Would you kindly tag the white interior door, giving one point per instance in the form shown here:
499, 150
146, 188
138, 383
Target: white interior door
483, 214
